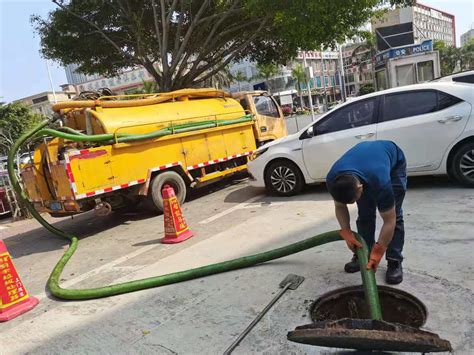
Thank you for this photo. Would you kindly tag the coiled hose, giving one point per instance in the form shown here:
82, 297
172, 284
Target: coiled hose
368, 277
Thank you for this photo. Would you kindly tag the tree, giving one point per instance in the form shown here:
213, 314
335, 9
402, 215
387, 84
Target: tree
266, 72
182, 43
15, 119
219, 79
239, 77
467, 55
366, 89
299, 75
448, 57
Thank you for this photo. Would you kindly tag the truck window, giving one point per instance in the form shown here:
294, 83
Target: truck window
266, 106
244, 104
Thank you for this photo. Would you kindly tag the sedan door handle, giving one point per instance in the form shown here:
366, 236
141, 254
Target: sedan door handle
451, 119
365, 136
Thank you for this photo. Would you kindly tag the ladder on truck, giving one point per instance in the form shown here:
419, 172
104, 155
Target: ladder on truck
14, 206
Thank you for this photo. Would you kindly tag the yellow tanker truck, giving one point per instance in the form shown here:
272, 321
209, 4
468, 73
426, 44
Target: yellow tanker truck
186, 139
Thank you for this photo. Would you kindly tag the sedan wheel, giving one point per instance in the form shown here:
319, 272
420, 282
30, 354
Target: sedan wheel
283, 178
463, 164
467, 164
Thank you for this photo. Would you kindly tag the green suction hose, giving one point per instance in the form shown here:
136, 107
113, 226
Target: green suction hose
368, 276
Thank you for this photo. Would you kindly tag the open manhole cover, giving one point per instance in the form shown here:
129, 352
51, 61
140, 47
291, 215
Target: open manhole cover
397, 306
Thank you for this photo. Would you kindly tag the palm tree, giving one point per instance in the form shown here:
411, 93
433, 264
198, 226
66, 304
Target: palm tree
267, 71
239, 77
299, 75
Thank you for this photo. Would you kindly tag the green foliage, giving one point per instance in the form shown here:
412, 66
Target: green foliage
267, 71
366, 89
239, 77
454, 59
15, 119
182, 43
299, 75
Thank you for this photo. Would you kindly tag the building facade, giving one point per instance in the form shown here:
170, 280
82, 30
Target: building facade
466, 37
74, 77
428, 23
325, 66
41, 103
124, 83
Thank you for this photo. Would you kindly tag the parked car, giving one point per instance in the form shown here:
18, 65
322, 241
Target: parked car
432, 122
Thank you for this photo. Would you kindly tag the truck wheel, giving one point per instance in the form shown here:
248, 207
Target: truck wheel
159, 181
283, 178
463, 165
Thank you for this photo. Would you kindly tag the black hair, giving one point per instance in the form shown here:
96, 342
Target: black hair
344, 188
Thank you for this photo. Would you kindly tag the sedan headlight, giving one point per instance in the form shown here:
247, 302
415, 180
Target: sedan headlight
257, 153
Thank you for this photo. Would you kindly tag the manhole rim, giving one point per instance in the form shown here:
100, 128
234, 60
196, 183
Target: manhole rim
359, 288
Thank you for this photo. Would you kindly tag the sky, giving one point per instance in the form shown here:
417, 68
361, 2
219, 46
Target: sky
23, 71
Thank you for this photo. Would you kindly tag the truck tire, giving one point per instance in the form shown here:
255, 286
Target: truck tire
462, 167
171, 178
283, 178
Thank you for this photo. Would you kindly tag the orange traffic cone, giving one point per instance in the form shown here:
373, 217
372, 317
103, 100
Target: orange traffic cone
14, 300
176, 229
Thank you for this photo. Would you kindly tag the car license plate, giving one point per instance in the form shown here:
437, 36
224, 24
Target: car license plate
55, 206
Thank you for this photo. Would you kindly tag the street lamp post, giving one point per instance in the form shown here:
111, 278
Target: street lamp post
325, 98
308, 75
341, 75
51, 81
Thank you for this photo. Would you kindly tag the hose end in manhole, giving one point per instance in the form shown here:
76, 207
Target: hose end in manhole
340, 320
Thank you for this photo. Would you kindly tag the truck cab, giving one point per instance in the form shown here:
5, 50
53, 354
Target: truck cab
269, 119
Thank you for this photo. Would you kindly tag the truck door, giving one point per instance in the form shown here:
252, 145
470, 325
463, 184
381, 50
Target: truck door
270, 123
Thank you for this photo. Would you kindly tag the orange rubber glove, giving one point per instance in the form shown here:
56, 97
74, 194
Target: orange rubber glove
375, 256
350, 238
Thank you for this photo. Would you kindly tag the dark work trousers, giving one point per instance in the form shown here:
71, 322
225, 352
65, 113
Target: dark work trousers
367, 213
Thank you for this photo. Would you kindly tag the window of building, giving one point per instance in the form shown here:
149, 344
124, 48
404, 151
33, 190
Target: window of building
425, 71
37, 100
381, 79
405, 74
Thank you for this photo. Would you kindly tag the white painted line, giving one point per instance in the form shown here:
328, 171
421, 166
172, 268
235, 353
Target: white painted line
262, 204
3, 227
230, 210
105, 267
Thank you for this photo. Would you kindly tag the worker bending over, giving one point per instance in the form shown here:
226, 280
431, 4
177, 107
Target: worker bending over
373, 174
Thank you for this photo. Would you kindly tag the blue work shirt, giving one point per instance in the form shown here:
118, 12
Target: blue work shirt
378, 165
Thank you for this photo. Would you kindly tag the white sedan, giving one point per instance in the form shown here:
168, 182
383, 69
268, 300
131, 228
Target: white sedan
433, 123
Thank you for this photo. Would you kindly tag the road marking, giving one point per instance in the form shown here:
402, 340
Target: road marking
3, 227
105, 267
240, 206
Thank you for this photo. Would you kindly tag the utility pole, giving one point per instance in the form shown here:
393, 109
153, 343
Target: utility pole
51, 81
325, 99
341, 75
308, 75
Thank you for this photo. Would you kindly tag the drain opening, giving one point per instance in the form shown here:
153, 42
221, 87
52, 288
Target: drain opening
349, 302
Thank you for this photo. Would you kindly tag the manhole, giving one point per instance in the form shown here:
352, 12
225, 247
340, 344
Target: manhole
341, 320
397, 306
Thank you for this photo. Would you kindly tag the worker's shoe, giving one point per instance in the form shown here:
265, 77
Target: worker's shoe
394, 273
352, 266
